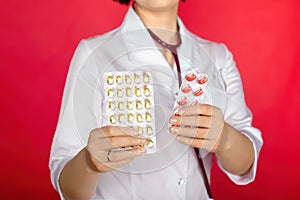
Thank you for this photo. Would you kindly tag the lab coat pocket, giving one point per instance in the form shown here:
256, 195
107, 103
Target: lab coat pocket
218, 97
217, 89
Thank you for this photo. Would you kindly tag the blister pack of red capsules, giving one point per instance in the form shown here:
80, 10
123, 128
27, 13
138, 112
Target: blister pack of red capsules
193, 90
129, 101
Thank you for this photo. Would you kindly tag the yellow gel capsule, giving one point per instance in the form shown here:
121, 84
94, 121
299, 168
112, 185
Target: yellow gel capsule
149, 130
138, 105
112, 119
137, 79
110, 93
129, 105
146, 78
111, 105
120, 92
127, 79
137, 92
147, 104
110, 80
121, 118
139, 118
121, 105
147, 91
128, 92
119, 79
149, 143
130, 117
148, 117
140, 130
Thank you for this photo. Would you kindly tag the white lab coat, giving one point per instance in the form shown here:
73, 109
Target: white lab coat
172, 172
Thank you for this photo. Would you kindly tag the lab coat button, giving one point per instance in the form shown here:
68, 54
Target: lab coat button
180, 181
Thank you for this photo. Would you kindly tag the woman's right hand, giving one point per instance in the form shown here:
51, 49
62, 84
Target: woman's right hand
101, 142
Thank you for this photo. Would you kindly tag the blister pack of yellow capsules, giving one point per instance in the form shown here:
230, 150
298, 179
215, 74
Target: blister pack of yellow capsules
129, 101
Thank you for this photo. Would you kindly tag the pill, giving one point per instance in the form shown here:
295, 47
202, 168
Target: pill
149, 143
149, 130
202, 80
194, 103
148, 117
121, 118
182, 101
146, 91
128, 92
186, 88
137, 92
130, 117
198, 92
121, 105
119, 79
146, 78
110, 80
120, 92
127, 79
112, 119
111, 105
140, 130
129, 105
110, 93
139, 105
137, 79
190, 76
147, 104
139, 118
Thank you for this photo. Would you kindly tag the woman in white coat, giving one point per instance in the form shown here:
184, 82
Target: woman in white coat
86, 161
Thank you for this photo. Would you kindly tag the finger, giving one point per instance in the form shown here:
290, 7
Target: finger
190, 141
199, 133
112, 131
198, 121
125, 141
200, 109
199, 143
116, 156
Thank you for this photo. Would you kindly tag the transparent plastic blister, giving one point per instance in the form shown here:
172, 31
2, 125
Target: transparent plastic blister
193, 90
129, 101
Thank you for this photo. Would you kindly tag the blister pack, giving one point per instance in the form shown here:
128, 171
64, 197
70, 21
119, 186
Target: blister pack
193, 90
129, 101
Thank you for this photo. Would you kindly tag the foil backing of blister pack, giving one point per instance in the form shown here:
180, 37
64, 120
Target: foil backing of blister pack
129, 101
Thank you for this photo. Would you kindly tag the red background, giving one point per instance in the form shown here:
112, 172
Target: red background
38, 39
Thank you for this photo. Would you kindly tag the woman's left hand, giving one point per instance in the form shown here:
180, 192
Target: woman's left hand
200, 126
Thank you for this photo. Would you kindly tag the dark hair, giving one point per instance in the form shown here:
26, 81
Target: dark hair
126, 2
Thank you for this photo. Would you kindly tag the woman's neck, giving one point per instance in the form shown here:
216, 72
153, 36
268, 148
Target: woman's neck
159, 18
162, 22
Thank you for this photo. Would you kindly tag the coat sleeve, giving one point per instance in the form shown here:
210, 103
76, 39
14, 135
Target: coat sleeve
67, 141
236, 113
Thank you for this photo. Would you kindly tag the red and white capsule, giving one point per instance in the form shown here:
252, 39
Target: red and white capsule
195, 103
186, 88
190, 76
202, 80
198, 92
182, 101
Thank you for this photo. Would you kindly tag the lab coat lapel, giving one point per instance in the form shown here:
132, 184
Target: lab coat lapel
140, 46
143, 53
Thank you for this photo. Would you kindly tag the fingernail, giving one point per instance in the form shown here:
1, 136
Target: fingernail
173, 130
173, 120
142, 150
178, 138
